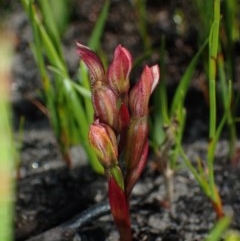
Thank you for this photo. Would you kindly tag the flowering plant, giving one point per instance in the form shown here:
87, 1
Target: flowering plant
120, 127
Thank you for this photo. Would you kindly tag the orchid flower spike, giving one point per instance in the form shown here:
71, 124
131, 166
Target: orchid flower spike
120, 126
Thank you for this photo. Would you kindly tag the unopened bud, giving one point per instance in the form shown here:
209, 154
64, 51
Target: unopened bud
140, 94
93, 62
105, 105
119, 70
136, 140
103, 140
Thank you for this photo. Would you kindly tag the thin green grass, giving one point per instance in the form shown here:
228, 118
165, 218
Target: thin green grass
141, 21
205, 177
168, 120
222, 40
7, 150
213, 137
69, 105
219, 229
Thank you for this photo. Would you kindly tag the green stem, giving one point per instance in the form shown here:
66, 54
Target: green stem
213, 50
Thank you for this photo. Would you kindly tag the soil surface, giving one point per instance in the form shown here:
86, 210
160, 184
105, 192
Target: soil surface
49, 194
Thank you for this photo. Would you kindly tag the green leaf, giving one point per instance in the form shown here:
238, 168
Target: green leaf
219, 229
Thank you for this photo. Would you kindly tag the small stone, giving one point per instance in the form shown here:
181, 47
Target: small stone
156, 222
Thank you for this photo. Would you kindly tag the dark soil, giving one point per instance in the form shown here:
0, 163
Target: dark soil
49, 194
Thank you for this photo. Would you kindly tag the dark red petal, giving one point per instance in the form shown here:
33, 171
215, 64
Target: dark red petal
133, 175
119, 70
93, 62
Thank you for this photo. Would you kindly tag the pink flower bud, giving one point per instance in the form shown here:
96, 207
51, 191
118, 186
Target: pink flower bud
136, 140
140, 94
105, 105
133, 174
119, 70
93, 62
103, 140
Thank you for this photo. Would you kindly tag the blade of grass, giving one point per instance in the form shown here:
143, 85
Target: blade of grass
81, 120
162, 94
36, 47
191, 167
225, 100
96, 35
140, 6
46, 42
61, 13
160, 106
220, 227
231, 27
50, 50
7, 150
71, 116
182, 88
50, 24
180, 124
214, 140
204, 9
81, 90
213, 50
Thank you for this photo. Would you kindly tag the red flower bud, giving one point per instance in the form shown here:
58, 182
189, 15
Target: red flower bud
119, 70
93, 62
136, 139
133, 175
103, 140
140, 94
105, 105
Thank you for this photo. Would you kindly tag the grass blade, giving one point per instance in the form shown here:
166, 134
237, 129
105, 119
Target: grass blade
218, 230
183, 86
213, 51
50, 24
7, 151
96, 35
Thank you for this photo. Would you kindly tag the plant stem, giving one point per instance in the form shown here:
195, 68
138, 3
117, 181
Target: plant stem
213, 50
169, 184
120, 208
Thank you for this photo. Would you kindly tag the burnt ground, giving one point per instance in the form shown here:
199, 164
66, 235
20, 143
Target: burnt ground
49, 194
